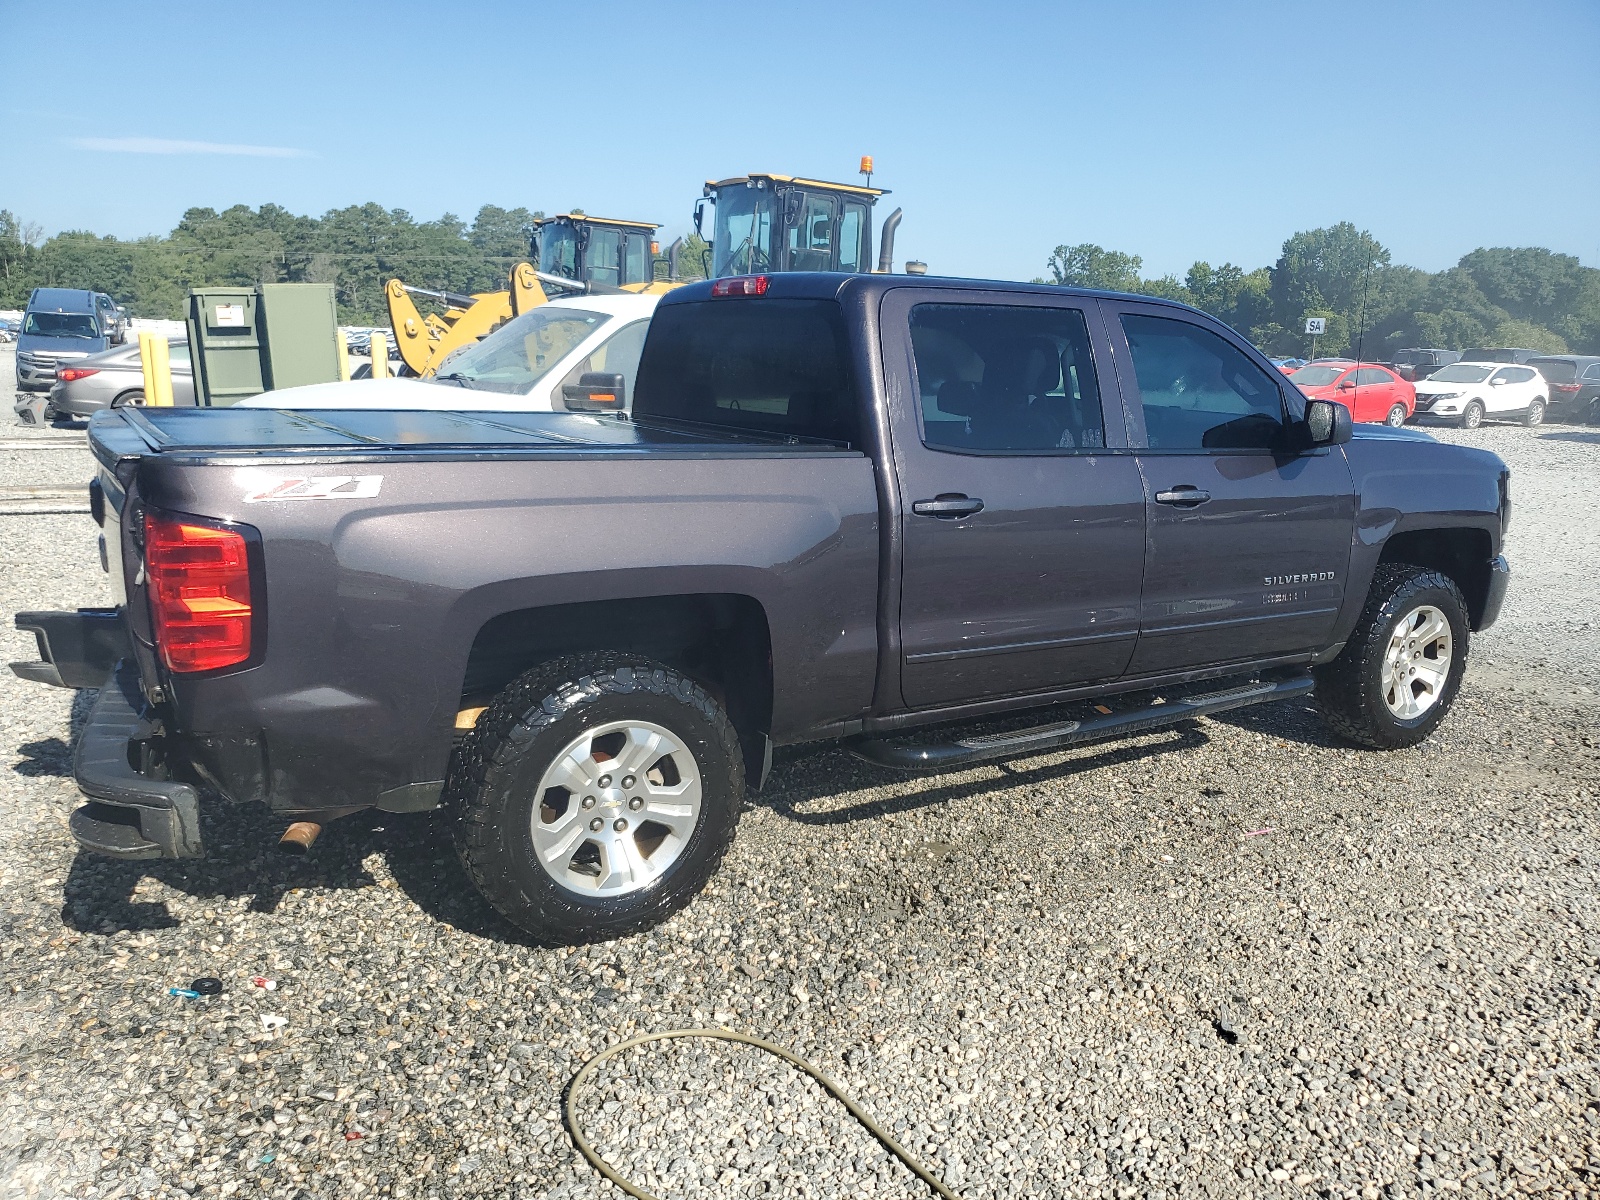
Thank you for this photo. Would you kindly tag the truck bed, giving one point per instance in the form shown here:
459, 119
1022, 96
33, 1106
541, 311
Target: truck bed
235, 432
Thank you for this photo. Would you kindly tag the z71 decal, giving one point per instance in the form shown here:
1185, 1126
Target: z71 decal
322, 487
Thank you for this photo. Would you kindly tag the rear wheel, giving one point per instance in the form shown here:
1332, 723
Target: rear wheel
596, 796
1401, 669
1472, 415
1534, 415
127, 399
1396, 417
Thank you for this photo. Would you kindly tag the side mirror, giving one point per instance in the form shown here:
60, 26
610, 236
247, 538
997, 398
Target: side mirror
596, 391
1346, 384
1497, 382
1327, 423
699, 216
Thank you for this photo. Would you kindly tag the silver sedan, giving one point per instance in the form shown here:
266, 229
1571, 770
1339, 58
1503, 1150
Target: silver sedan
113, 378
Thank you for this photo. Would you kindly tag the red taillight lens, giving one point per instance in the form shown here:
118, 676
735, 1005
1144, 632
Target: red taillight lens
199, 594
741, 285
1565, 387
73, 374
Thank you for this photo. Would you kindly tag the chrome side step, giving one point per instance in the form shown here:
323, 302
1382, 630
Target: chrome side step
938, 756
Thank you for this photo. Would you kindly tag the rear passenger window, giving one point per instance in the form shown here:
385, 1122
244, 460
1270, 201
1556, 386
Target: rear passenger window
1006, 378
1199, 391
775, 366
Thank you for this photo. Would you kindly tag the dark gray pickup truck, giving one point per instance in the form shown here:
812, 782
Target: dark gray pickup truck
843, 507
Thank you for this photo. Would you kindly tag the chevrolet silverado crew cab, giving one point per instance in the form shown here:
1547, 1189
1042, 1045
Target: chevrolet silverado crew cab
857, 508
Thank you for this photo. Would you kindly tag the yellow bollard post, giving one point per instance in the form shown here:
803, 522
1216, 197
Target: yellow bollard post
147, 362
380, 356
344, 358
158, 386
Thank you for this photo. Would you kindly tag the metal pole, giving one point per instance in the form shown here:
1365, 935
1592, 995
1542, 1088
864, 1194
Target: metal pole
380, 356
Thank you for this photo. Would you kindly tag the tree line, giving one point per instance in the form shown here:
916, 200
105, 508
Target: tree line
1499, 296
1494, 296
356, 249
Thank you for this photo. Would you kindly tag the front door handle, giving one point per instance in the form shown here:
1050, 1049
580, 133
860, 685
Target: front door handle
1183, 496
948, 506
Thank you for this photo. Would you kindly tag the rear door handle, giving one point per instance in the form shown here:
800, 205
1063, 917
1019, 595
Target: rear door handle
948, 506
1183, 496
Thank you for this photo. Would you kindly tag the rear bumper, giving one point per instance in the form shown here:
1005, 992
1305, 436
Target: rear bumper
131, 813
1499, 581
76, 649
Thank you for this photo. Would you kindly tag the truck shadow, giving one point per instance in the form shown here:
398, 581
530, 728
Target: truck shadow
102, 895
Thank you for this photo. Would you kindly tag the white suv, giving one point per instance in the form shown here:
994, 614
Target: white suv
1465, 393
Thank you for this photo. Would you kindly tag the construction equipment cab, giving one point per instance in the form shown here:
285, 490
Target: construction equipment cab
596, 250
783, 223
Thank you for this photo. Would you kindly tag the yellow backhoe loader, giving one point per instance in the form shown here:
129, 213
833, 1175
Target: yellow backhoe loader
576, 253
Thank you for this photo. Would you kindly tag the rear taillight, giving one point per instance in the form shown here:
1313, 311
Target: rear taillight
73, 374
200, 599
1565, 387
741, 285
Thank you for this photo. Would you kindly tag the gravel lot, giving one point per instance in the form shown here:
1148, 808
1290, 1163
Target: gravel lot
1236, 959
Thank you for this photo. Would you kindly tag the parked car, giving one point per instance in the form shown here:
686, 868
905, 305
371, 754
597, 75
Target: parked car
1468, 392
1574, 381
843, 507
1370, 392
1504, 354
113, 378
536, 362
1288, 366
1413, 364
60, 325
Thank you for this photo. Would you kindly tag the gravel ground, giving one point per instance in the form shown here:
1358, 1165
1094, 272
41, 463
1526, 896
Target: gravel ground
1236, 959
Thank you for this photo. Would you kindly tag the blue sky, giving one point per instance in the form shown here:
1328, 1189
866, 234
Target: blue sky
1173, 130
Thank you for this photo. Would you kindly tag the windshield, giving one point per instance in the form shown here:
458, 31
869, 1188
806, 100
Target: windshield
522, 351
1315, 376
743, 239
558, 250
49, 324
1461, 373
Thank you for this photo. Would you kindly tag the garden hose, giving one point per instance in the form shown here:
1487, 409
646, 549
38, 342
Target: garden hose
581, 1080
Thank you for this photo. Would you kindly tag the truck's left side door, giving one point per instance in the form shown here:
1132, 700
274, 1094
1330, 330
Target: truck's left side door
1022, 511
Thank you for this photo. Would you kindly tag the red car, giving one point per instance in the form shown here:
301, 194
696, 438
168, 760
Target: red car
1370, 392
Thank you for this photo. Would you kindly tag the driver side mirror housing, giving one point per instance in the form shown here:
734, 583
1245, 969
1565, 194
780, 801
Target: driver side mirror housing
596, 391
1326, 423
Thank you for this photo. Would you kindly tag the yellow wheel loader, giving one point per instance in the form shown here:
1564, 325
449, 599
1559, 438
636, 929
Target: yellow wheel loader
576, 253
786, 223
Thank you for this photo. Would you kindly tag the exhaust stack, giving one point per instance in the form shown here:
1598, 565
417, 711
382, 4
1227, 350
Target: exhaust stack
886, 246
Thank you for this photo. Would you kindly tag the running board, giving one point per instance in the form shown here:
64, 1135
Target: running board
938, 756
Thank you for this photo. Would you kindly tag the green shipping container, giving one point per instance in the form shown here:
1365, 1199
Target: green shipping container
224, 345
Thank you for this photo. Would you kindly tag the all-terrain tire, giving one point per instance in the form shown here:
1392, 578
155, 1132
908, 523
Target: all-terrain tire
1349, 691
496, 773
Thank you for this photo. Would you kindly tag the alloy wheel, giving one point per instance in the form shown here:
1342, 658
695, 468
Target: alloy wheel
1416, 664
616, 808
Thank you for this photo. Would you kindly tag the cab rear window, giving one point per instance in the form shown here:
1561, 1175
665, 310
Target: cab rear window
756, 364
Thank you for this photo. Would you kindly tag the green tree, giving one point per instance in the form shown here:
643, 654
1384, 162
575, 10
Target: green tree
1334, 268
1092, 266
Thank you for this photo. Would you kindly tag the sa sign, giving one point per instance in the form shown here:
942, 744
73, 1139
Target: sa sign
1317, 325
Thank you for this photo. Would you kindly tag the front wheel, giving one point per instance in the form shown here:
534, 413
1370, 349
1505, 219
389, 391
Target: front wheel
1472, 415
1396, 417
1534, 415
596, 796
1401, 669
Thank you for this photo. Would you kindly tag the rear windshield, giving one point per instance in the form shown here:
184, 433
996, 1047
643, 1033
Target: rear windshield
49, 324
750, 363
1556, 371
1477, 354
1461, 372
1316, 376
1414, 358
